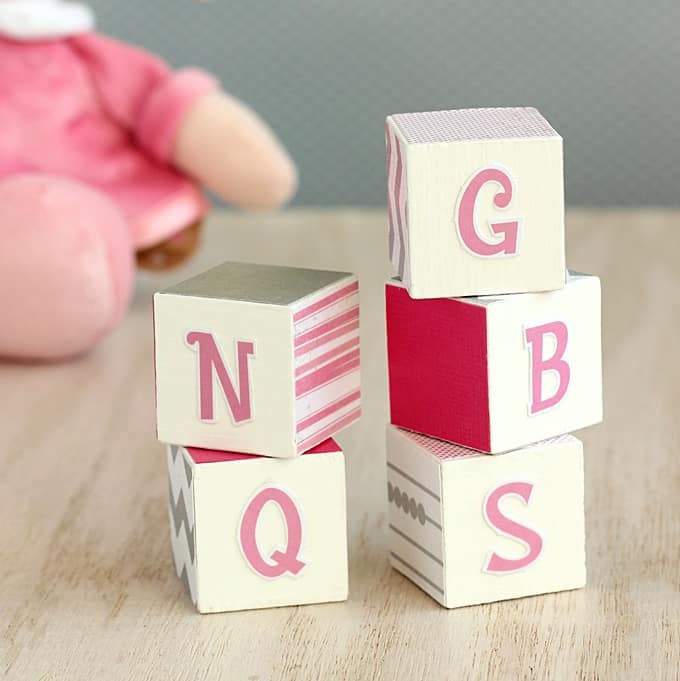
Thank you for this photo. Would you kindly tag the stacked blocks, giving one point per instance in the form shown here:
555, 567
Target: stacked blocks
257, 368
493, 348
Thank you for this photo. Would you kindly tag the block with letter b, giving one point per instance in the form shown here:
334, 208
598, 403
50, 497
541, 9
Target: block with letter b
496, 373
252, 532
469, 528
257, 359
476, 202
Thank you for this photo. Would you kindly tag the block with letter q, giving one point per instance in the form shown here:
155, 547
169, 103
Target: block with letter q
469, 528
251, 532
475, 202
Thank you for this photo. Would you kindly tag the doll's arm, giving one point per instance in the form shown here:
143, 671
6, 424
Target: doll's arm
230, 150
182, 118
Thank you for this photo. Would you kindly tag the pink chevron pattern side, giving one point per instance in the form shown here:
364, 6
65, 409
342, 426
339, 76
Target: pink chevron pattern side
397, 201
327, 363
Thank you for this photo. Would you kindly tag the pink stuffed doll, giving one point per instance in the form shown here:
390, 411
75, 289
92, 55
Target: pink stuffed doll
103, 153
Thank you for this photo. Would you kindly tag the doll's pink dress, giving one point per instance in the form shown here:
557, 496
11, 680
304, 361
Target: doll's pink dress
87, 128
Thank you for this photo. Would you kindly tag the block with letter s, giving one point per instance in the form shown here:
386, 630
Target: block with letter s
257, 359
475, 202
253, 532
469, 528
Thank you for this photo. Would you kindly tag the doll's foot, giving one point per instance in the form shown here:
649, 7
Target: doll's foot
66, 267
172, 252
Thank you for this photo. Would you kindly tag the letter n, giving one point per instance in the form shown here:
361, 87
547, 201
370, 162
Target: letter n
209, 362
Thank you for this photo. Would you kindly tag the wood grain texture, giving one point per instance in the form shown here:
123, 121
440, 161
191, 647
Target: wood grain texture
87, 589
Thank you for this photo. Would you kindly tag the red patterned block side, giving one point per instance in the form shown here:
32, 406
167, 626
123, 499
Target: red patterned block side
438, 372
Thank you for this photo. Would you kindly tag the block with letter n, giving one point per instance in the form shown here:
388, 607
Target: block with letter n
494, 373
475, 202
257, 359
252, 532
469, 528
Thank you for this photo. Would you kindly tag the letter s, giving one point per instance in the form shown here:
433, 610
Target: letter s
496, 563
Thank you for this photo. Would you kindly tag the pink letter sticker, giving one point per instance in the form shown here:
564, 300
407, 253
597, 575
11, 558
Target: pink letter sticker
535, 340
465, 215
209, 358
503, 525
279, 562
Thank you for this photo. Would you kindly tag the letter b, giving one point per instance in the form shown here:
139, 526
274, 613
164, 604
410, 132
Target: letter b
539, 365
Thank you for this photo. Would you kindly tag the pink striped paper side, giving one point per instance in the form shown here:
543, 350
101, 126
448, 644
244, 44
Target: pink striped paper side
327, 432
326, 357
330, 409
317, 331
329, 372
344, 292
327, 363
323, 340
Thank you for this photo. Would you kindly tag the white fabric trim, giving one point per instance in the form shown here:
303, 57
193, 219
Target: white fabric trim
44, 19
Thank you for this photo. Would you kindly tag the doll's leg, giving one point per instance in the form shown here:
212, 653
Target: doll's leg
66, 267
173, 252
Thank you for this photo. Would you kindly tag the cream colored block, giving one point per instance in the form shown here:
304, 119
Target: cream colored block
476, 202
257, 359
250, 532
470, 528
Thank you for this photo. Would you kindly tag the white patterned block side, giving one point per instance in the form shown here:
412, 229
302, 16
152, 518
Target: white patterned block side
415, 516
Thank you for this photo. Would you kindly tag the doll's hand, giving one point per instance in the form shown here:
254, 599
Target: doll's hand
228, 149
172, 252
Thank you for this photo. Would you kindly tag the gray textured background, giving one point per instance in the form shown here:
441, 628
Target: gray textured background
606, 74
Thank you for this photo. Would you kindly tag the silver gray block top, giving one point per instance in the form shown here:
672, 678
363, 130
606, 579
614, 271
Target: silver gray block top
252, 283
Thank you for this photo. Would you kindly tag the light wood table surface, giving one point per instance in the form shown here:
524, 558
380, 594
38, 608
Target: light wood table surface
87, 589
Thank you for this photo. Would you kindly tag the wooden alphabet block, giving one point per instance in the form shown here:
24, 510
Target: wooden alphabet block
469, 528
475, 201
257, 359
251, 532
496, 373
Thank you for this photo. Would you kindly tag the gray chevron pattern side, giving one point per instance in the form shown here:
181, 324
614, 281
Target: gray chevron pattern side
178, 514
181, 515
184, 577
188, 472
